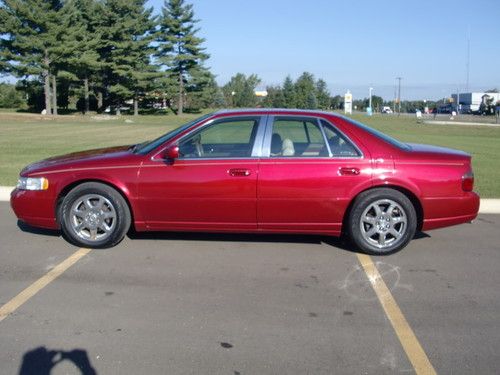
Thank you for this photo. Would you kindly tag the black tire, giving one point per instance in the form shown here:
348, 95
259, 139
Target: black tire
402, 221
101, 227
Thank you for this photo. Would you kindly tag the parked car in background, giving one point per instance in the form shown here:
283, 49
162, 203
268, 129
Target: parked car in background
386, 109
257, 171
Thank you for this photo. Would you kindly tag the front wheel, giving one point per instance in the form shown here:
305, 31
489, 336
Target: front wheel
94, 215
382, 221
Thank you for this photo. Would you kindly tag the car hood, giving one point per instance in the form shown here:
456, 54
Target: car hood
437, 151
77, 158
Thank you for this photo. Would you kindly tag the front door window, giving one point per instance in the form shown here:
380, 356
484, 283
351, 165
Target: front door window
232, 138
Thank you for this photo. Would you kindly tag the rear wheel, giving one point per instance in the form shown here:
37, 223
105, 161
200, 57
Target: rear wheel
94, 215
382, 221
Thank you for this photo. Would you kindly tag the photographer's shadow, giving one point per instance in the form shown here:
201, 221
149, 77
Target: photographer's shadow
41, 361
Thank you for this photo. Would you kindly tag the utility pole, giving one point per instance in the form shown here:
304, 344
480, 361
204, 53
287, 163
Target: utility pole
467, 65
395, 98
399, 94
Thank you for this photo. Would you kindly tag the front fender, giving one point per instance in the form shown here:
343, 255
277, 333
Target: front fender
124, 181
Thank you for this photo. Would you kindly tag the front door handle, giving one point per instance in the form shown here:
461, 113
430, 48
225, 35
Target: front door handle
239, 172
349, 171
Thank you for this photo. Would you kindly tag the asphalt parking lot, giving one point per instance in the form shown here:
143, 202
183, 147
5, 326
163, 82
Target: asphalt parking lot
243, 304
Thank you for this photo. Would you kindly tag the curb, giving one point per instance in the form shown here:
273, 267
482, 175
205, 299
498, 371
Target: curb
5, 193
438, 122
488, 206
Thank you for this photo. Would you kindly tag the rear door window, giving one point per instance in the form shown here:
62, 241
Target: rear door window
297, 137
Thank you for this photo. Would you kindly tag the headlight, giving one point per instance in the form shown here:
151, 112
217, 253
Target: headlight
32, 183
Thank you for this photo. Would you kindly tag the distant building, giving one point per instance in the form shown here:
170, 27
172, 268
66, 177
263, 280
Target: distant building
260, 93
469, 102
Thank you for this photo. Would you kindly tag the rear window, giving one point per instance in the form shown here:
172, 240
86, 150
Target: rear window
380, 135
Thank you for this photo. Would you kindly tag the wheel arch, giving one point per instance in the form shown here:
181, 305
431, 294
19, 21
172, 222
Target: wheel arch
407, 192
67, 188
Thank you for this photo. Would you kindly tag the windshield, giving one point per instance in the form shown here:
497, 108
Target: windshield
146, 147
380, 135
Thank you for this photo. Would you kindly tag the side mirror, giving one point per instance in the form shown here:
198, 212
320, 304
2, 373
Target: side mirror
171, 153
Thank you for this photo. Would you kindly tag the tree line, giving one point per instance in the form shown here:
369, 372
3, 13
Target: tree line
107, 52
98, 54
306, 93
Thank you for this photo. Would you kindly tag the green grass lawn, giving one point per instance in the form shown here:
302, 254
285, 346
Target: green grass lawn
26, 138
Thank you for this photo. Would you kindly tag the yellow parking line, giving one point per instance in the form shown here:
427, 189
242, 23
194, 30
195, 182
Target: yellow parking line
408, 340
41, 283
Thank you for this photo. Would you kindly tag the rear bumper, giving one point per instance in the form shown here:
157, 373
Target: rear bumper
444, 212
35, 208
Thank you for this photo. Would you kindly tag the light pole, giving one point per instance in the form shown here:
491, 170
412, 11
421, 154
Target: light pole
370, 105
399, 94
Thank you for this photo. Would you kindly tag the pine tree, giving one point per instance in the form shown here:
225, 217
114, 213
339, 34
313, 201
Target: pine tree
289, 93
126, 29
179, 49
31, 43
322, 94
312, 101
84, 34
201, 88
305, 90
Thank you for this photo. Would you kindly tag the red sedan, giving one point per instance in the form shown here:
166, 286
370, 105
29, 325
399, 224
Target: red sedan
257, 171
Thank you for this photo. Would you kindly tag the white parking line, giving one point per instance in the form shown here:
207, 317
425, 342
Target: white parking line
406, 336
41, 283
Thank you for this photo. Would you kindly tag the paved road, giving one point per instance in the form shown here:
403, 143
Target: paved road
221, 304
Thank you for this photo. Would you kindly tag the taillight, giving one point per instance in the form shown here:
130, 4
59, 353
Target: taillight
468, 181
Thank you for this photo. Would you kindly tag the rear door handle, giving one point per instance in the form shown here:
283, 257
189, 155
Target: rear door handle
348, 171
239, 172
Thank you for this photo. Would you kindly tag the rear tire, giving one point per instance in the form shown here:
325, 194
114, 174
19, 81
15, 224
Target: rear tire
94, 215
382, 221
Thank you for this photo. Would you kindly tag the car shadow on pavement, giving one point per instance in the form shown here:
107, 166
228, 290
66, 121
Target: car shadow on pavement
337, 242
41, 361
29, 229
421, 235
341, 243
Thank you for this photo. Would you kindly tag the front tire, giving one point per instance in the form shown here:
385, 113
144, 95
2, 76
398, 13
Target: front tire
382, 221
94, 215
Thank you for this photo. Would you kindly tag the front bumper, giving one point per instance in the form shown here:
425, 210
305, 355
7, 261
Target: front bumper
36, 208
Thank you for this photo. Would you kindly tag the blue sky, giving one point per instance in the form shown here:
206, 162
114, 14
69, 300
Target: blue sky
355, 44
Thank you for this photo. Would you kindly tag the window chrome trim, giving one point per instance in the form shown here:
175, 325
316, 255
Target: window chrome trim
257, 145
330, 154
266, 144
259, 137
266, 148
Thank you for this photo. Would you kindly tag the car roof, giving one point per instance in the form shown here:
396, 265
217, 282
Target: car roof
275, 111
